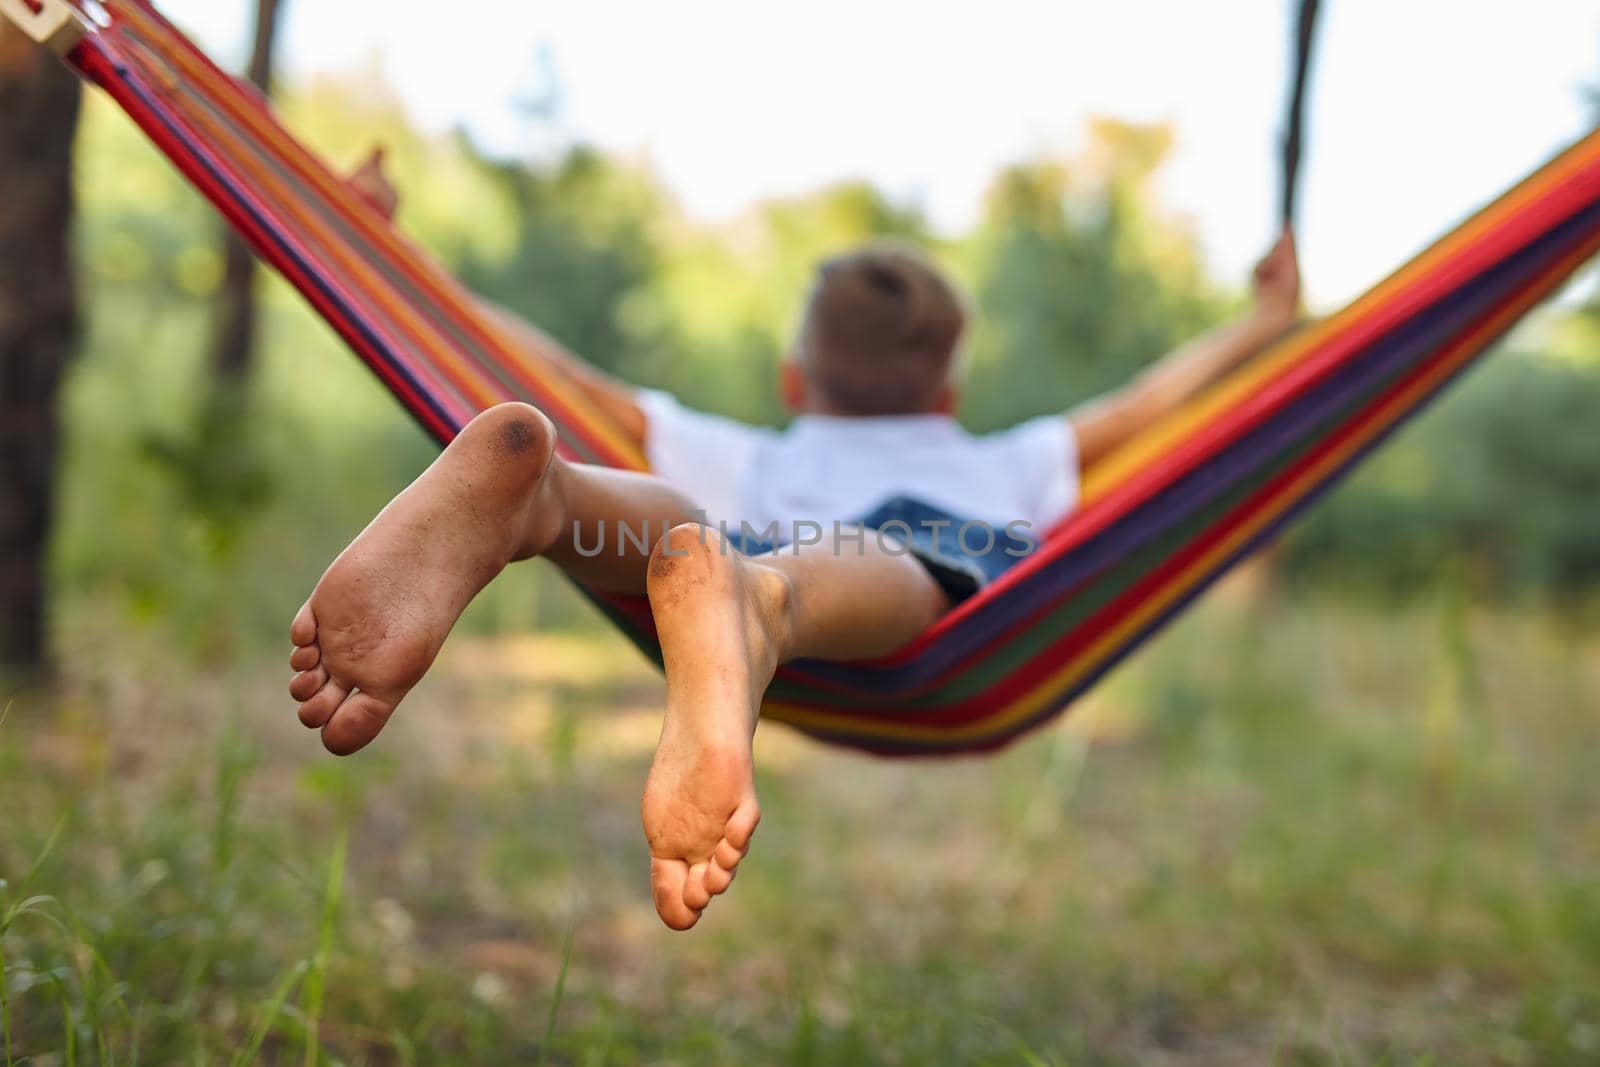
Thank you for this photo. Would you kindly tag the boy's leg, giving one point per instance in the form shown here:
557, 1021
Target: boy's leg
379, 615
375, 621
725, 622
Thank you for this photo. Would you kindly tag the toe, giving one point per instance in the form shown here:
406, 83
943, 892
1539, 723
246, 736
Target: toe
742, 825
320, 706
695, 893
667, 878
304, 685
727, 856
355, 722
717, 878
303, 631
304, 657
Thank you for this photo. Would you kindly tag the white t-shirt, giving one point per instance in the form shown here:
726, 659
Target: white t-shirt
825, 468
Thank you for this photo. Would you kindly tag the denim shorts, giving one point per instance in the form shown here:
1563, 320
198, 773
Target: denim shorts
961, 554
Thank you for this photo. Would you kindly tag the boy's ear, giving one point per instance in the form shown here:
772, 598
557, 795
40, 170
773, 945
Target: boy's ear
793, 386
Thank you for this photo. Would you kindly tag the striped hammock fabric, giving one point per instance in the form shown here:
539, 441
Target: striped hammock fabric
1159, 521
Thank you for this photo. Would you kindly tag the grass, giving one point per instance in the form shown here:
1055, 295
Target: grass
1286, 834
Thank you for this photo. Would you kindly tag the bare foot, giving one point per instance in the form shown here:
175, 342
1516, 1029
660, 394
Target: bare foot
723, 622
377, 618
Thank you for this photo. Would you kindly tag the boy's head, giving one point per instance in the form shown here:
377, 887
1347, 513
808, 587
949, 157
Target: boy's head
878, 337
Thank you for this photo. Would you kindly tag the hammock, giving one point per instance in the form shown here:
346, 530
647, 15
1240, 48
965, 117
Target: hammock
1159, 521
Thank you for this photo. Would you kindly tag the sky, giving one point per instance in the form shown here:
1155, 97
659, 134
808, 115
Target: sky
1421, 110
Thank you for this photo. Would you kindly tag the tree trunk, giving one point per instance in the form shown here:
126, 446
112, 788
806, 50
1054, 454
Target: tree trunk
234, 343
38, 115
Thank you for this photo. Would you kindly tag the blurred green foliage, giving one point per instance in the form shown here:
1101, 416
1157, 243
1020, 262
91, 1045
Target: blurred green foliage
1497, 483
215, 520
1079, 279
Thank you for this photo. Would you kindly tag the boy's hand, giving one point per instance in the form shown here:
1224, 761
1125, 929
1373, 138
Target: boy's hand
1277, 282
372, 185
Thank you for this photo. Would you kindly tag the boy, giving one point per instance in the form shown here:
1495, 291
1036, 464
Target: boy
873, 459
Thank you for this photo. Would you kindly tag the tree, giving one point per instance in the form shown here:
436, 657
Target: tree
236, 324
1081, 280
38, 116
217, 463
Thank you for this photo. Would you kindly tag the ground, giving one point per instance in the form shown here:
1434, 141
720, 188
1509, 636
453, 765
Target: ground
1288, 833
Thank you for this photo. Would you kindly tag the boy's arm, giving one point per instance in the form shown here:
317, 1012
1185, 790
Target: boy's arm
1104, 423
616, 399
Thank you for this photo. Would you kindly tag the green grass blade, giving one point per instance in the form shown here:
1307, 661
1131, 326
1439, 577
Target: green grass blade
68, 1030
316, 978
274, 1008
44, 853
560, 990
5, 1005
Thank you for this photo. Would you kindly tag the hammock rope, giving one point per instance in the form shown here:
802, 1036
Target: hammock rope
1305, 39
1159, 521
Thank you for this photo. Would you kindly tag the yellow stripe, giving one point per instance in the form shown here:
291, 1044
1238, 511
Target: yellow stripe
1042, 695
1159, 439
